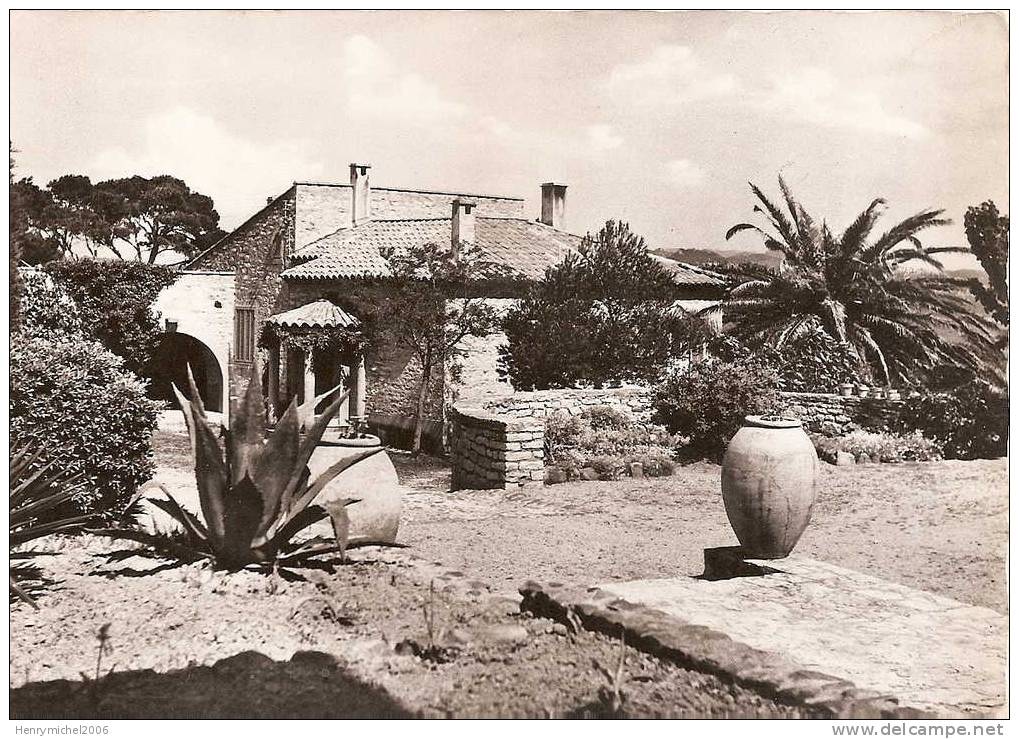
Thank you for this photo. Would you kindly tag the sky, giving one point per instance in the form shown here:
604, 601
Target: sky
659, 119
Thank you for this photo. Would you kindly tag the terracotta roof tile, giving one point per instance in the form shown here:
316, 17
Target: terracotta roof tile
527, 248
318, 314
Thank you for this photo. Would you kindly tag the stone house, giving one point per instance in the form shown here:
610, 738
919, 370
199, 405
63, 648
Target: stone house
299, 266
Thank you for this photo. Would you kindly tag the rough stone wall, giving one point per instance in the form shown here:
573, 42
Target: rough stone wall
323, 208
253, 253
834, 415
392, 203
492, 451
541, 403
473, 375
202, 306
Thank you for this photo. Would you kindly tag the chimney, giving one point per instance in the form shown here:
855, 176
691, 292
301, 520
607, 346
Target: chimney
462, 231
553, 205
360, 210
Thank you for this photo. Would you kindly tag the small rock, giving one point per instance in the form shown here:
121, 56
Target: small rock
636, 469
554, 475
502, 634
588, 473
862, 459
560, 630
457, 637
842, 458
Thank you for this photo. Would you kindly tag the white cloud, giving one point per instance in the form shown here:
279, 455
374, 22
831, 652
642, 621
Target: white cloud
815, 96
671, 75
375, 87
237, 173
684, 173
601, 137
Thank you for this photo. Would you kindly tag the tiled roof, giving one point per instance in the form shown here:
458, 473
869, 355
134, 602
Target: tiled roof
319, 314
526, 247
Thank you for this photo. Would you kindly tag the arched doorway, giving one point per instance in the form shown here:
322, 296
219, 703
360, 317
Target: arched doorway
170, 362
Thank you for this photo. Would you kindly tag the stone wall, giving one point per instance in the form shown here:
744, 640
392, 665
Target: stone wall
201, 304
541, 403
254, 253
834, 415
488, 450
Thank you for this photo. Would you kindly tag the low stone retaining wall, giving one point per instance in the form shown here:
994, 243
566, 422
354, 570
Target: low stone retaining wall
488, 450
835, 415
541, 403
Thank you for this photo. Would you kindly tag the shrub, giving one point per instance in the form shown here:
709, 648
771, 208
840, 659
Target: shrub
75, 400
708, 400
884, 447
601, 316
970, 422
46, 307
607, 440
116, 302
813, 363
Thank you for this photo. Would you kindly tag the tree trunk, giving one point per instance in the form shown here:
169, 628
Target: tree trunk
419, 421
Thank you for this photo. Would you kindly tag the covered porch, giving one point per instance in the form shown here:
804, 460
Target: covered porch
312, 350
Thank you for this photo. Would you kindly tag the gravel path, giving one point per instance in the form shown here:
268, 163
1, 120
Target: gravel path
941, 527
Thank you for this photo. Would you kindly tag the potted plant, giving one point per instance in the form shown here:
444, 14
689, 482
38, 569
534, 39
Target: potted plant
769, 482
846, 389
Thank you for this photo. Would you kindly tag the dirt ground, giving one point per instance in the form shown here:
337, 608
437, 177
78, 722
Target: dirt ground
939, 526
184, 642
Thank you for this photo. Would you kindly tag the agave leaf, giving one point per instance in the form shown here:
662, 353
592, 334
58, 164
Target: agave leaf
306, 411
179, 513
293, 525
315, 551
247, 430
189, 420
242, 513
37, 531
341, 525
276, 467
196, 398
20, 592
39, 484
23, 459
25, 513
211, 476
157, 542
308, 444
328, 476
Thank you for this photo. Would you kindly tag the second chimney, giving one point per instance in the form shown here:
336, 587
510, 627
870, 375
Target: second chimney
462, 229
360, 209
553, 205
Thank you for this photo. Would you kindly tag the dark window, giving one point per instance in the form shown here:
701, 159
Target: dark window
244, 334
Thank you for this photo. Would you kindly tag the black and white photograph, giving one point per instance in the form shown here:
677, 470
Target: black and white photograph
509, 364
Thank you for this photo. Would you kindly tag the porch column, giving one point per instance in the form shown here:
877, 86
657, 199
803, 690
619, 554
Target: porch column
309, 377
357, 395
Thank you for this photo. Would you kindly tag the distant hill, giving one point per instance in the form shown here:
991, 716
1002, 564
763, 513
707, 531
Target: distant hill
766, 258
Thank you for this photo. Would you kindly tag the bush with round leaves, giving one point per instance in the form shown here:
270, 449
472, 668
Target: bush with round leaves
707, 401
76, 400
969, 421
47, 307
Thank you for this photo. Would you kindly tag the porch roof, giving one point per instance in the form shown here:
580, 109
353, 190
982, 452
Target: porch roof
321, 313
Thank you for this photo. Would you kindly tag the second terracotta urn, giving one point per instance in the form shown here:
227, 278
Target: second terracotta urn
769, 484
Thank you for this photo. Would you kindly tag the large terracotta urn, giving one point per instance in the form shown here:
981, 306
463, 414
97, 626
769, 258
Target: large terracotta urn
769, 481
372, 481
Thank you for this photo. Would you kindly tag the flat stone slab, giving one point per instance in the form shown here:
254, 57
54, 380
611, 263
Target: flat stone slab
926, 651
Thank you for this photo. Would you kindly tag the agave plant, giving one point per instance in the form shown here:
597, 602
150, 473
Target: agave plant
862, 291
37, 490
254, 491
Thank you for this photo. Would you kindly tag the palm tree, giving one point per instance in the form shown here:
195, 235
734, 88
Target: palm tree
863, 292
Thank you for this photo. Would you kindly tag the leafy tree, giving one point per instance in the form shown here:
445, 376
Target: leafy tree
132, 216
429, 308
156, 215
863, 292
602, 315
115, 298
987, 233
